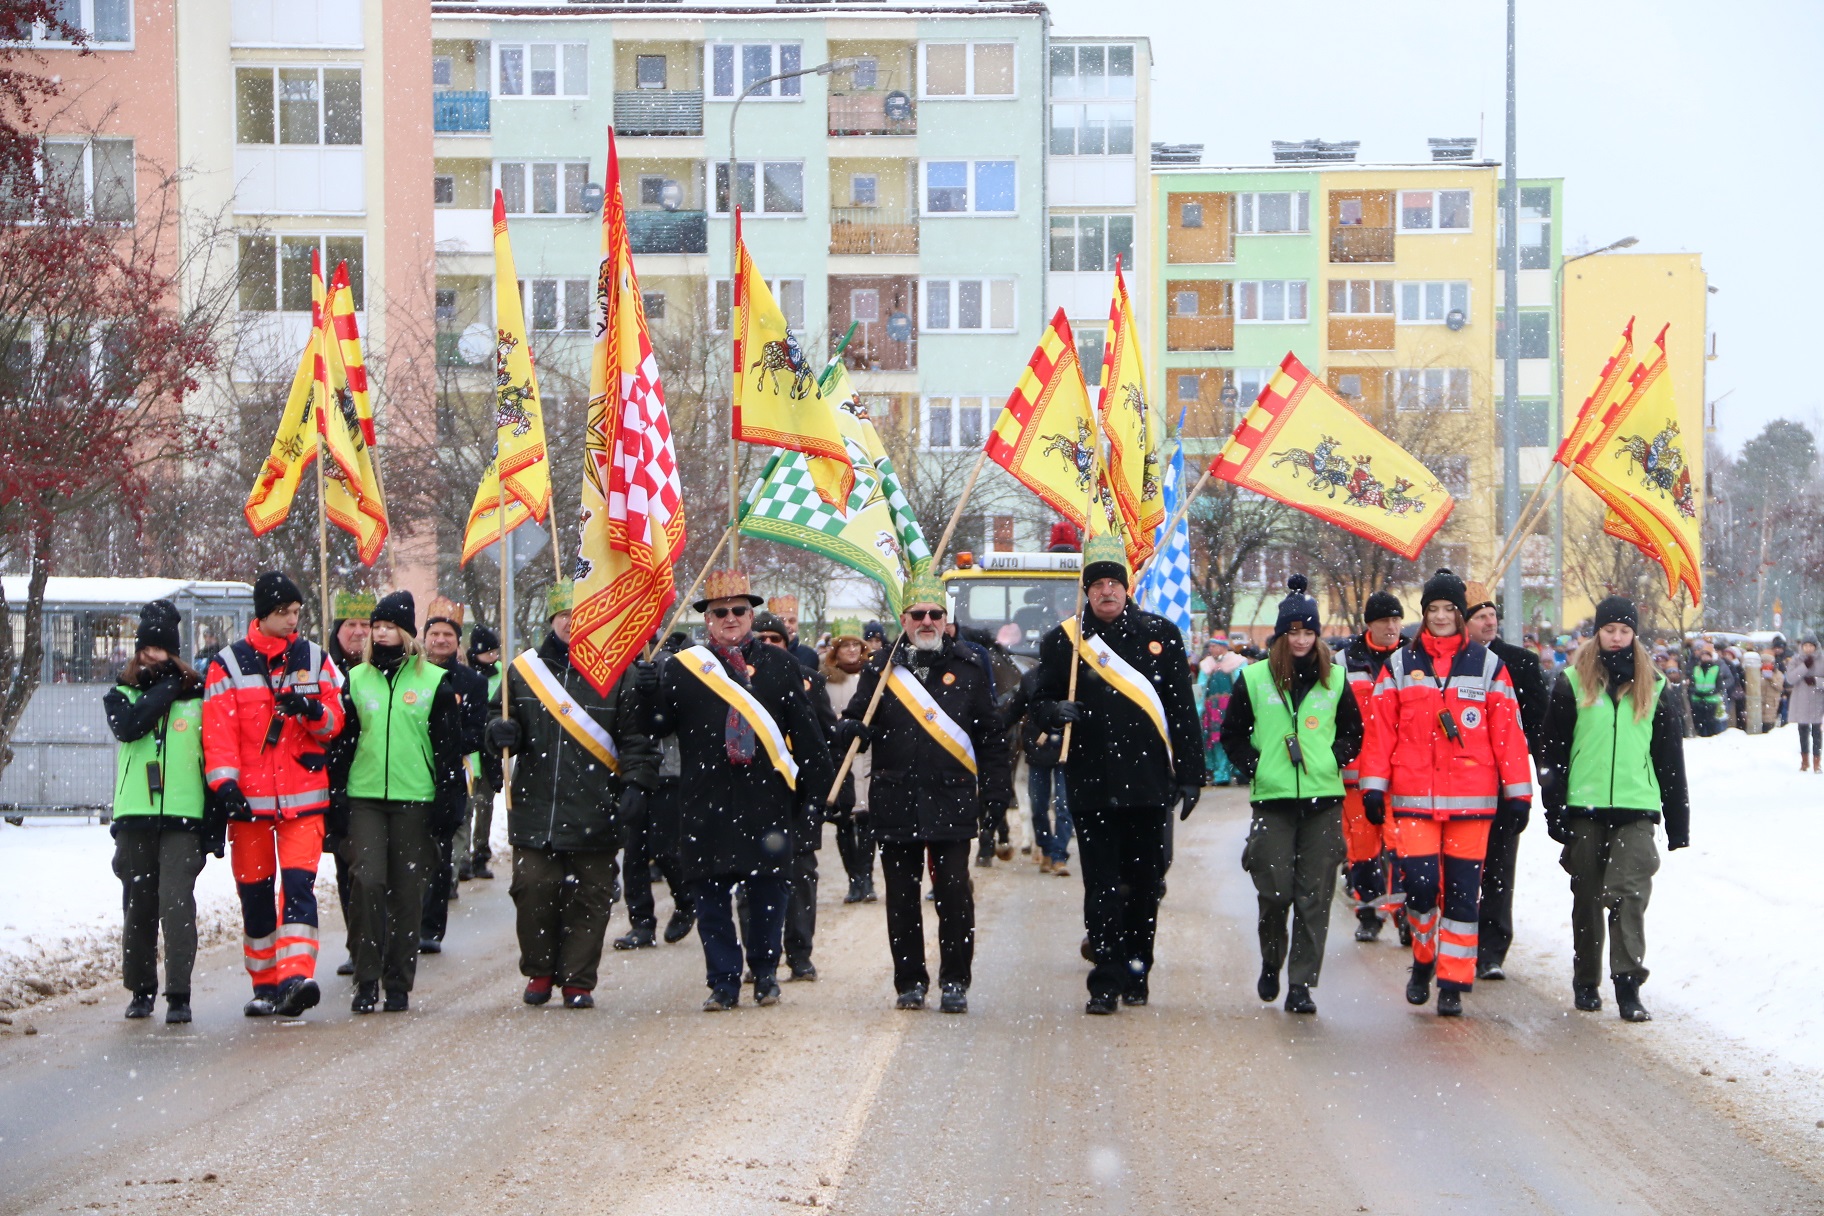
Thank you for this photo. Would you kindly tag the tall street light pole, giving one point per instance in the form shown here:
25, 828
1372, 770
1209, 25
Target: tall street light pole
734, 271
1513, 619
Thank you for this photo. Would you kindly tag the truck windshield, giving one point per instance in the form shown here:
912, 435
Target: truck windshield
1016, 611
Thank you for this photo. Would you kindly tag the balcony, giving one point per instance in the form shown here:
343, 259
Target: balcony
659, 112
1360, 332
463, 112
668, 231
1199, 333
867, 114
863, 230
1353, 243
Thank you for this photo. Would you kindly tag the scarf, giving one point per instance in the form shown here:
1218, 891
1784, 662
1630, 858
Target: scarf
737, 736
1620, 666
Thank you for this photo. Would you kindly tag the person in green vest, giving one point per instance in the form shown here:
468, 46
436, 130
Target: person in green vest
1711, 687
165, 819
404, 759
1611, 770
1290, 728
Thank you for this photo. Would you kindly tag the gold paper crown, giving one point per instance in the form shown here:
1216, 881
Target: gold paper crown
726, 585
925, 588
1104, 549
783, 605
354, 605
444, 608
560, 598
845, 627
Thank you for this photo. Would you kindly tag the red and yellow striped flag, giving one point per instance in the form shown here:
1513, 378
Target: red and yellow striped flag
352, 496
1046, 435
294, 446
1133, 428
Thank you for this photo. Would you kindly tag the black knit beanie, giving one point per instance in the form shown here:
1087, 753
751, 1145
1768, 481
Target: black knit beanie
1380, 605
158, 623
481, 640
1444, 586
397, 609
1618, 610
1296, 609
272, 591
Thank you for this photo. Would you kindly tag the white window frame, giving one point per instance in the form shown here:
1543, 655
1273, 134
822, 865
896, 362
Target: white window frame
1263, 376
525, 50
562, 167
759, 167
777, 286
1301, 288
1371, 311
1437, 210
322, 102
873, 181
40, 164
566, 289
1076, 249
41, 34
250, 17
968, 93
988, 410
970, 191
1246, 210
1077, 49
1448, 288
1449, 379
931, 287
791, 90
1083, 108
322, 237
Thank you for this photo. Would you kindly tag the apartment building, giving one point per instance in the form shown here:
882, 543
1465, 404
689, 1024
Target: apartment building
1537, 336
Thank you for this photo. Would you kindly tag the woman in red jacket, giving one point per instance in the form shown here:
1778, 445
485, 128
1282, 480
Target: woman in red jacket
1447, 756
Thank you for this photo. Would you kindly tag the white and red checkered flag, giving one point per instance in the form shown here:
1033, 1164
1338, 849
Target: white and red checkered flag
633, 508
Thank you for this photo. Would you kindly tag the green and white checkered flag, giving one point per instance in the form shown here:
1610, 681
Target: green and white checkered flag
784, 506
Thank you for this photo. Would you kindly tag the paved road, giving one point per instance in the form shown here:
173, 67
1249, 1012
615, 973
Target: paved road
1206, 1101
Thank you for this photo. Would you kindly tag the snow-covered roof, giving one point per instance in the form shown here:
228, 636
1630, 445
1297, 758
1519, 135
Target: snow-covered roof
131, 591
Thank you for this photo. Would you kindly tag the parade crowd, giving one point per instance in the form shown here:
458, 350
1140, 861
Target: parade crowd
1403, 760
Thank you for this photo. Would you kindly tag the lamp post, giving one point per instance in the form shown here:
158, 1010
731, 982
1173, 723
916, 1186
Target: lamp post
1626, 242
734, 443
1511, 587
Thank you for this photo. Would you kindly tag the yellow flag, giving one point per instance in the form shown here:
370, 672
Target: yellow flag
352, 497
295, 444
1046, 434
1299, 444
519, 412
484, 528
777, 401
1133, 430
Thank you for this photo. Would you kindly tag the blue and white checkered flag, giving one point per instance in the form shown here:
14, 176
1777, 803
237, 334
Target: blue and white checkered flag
1165, 584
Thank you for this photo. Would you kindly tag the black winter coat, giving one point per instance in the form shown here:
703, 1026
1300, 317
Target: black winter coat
471, 689
738, 819
807, 836
918, 790
564, 799
1667, 748
1529, 689
1116, 756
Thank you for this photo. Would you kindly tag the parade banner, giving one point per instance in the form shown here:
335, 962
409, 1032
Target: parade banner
785, 506
294, 446
1301, 445
1133, 429
1046, 434
858, 432
352, 496
1165, 584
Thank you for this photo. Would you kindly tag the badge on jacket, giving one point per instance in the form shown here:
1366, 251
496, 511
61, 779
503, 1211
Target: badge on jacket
1155, 647
1472, 717
949, 677
410, 697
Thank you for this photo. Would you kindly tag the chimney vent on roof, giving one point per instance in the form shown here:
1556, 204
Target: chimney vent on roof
1308, 150
1177, 154
1455, 148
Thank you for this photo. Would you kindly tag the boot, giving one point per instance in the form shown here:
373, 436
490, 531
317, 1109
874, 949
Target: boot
721, 1000
1060, 869
346, 967
636, 938
1627, 1000
911, 998
1368, 925
1405, 930
1450, 1003
578, 998
296, 995
261, 1004
1490, 971
1045, 865
1298, 999
1268, 984
465, 871
398, 1000
955, 999
1101, 1006
177, 1008
854, 895
1418, 985
802, 972
367, 997
538, 989
479, 867
868, 894
1804, 764
141, 1005
429, 945
1588, 997
679, 926
1003, 851
766, 990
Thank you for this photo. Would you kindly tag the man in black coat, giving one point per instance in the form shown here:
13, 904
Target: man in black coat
939, 771
1136, 751
751, 755
807, 835
785, 608
1496, 931
442, 645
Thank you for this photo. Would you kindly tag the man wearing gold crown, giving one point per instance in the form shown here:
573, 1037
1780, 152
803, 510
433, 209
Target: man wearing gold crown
752, 757
1135, 753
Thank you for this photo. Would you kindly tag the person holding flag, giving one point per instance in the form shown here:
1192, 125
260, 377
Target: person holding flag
939, 770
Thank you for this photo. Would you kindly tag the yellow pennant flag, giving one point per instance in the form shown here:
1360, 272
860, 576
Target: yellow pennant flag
295, 444
1133, 429
1634, 459
1300, 445
484, 528
777, 401
352, 497
1046, 434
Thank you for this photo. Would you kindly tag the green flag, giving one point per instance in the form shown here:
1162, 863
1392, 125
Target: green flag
858, 430
784, 506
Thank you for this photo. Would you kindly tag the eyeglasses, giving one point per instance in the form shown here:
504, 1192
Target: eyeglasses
925, 614
736, 610
773, 639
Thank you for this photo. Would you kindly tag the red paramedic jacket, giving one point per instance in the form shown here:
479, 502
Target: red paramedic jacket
290, 778
1407, 753
1362, 665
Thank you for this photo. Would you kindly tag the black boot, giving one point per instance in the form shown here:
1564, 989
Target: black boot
1450, 1002
1102, 1006
177, 1008
1298, 999
679, 926
637, 938
911, 998
854, 896
1418, 985
766, 990
296, 995
868, 894
1627, 1000
478, 867
261, 1005
1588, 997
367, 997
398, 1000
141, 1005
346, 967
1368, 925
955, 999
1405, 930
1268, 984
1490, 971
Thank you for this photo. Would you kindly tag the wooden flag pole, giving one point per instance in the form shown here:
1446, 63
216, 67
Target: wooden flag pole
1524, 518
506, 657
323, 547
1184, 506
557, 562
867, 719
684, 601
943, 542
1070, 693
1511, 547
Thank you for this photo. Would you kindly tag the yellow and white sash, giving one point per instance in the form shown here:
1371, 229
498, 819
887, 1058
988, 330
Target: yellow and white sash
1121, 675
575, 720
699, 662
931, 716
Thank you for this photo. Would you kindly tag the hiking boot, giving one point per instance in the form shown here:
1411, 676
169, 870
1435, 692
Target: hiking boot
1298, 999
578, 998
955, 999
637, 938
1368, 925
1405, 929
538, 989
1490, 971
1060, 869
261, 1006
1627, 1000
1267, 986
854, 895
679, 926
1046, 865
911, 998
868, 894
806, 971
141, 1004
1418, 985
398, 1000
177, 1008
766, 990
720, 1000
1587, 997
1450, 1003
296, 995
367, 997
1136, 996
1101, 1006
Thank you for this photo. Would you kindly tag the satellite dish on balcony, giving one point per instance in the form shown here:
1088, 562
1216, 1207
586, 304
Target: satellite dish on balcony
476, 344
592, 198
671, 196
1455, 319
898, 106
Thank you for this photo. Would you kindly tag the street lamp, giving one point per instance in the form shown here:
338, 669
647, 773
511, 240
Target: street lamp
734, 444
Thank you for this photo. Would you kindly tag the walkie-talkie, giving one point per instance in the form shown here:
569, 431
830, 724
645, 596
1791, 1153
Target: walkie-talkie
1295, 751
1448, 721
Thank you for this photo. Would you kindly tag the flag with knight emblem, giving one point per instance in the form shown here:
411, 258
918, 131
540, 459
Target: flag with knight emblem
352, 496
1046, 434
1133, 430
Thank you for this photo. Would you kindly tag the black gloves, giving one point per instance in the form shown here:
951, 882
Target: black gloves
1065, 711
1513, 814
1557, 828
850, 730
646, 676
503, 734
297, 705
1683, 842
233, 802
1187, 799
1374, 806
632, 806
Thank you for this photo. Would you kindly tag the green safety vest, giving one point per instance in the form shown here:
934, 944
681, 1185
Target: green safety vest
1612, 752
177, 744
1703, 683
473, 759
393, 755
1275, 776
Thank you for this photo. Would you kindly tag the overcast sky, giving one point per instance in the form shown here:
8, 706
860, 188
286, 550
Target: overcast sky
1694, 125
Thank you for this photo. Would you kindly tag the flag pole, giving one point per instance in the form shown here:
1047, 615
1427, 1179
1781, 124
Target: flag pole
322, 547
506, 573
943, 542
686, 599
1510, 548
1525, 519
734, 339
557, 562
1070, 693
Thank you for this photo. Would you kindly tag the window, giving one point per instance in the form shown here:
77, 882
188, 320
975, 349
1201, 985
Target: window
1184, 303
864, 305
958, 422
1535, 335
90, 179
787, 293
553, 305
1092, 345
1250, 382
1280, 211
864, 190
298, 105
652, 190
734, 67
1190, 215
443, 71
982, 306
1092, 71
781, 187
443, 190
1094, 129
1535, 422
446, 306
1361, 297
1187, 386
543, 187
649, 71
982, 187
1453, 473
1535, 229
866, 73
1433, 303
1092, 242
103, 20
541, 69
1434, 210
1430, 388
275, 270
966, 69
654, 304
1272, 301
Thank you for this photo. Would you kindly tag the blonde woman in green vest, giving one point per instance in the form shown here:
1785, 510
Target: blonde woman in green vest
1611, 770
1290, 728
402, 761
164, 817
